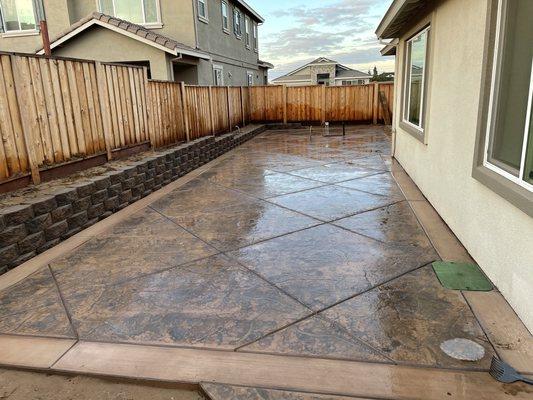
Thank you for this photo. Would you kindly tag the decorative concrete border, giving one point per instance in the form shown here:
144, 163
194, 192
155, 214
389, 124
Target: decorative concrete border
29, 229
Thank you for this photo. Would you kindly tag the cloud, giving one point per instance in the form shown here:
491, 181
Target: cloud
342, 30
343, 12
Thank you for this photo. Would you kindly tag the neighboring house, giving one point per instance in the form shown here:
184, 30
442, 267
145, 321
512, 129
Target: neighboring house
464, 126
203, 42
323, 71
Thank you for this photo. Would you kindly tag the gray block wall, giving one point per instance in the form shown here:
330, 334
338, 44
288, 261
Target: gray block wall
37, 225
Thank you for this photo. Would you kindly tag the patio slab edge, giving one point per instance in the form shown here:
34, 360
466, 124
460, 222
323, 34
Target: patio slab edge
343, 378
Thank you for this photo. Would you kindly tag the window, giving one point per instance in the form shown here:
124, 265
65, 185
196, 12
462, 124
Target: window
18, 16
247, 31
218, 75
202, 10
225, 18
237, 28
256, 42
250, 78
143, 12
509, 136
415, 79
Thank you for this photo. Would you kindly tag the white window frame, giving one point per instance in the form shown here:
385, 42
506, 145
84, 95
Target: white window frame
153, 25
496, 72
20, 32
203, 18
221, 69
237, 13
407, 85
250, 78
247, 33
222, 4
255, 36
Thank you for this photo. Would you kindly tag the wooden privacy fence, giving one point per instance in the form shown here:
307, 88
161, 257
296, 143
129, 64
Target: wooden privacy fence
56, 110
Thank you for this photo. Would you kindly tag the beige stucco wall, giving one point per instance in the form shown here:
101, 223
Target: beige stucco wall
496, 233
58, 20
117, 48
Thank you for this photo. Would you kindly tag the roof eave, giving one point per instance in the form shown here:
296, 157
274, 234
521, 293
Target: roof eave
396, 16
254, 13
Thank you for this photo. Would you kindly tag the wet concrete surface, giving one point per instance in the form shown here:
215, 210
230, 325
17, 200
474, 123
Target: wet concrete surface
293, 244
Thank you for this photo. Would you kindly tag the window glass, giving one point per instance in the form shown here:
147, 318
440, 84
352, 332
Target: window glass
202, 8
218, 76
255, 36
237, 22
247, 30
18, 15
136, 11
150, 11
106, 7
130, 10
512, 88
416, 64
528, 165
225, 22
250, 77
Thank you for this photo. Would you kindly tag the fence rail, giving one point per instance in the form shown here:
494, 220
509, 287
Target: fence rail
55, 110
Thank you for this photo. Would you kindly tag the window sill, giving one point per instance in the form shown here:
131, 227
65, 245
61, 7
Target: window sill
20, 33
515, 194
417, 133
226, 31
203, 19
155, 25
248, 47
238, 36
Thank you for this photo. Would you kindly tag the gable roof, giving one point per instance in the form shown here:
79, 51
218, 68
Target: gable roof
352, 73
134, 31
399, 14
342, 71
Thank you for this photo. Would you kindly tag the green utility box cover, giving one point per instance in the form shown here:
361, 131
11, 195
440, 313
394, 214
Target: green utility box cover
461, 276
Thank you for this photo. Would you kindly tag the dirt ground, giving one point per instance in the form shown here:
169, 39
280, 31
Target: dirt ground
23, 385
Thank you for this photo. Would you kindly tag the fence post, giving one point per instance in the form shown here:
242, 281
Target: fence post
211, 116
284, 104
28, 113
148, 116
103, 97
375, 109
323, 104
229, 108
242, 107
185, 110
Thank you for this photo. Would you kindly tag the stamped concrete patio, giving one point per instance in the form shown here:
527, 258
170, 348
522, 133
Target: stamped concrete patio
290, 245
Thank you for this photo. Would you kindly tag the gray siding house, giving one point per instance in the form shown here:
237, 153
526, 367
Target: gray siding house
202, 42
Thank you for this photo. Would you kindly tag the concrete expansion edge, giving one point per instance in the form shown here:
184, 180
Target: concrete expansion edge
29, 229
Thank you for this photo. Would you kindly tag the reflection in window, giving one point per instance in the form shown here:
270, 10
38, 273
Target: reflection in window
510, 137
18, 15
225, 20
415, 78
142, 12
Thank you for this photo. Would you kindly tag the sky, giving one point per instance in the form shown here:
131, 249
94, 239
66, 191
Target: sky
296, 32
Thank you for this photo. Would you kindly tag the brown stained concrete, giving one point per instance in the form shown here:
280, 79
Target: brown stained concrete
225, 392
292, 244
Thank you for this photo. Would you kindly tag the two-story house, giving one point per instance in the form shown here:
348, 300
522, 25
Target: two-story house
323, 71
202, 42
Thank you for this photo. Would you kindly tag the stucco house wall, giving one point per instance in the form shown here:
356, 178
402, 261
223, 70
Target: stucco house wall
118, 48
496, 233
225, 48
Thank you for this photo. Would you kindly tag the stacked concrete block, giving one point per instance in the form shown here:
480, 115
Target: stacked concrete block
31, 228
